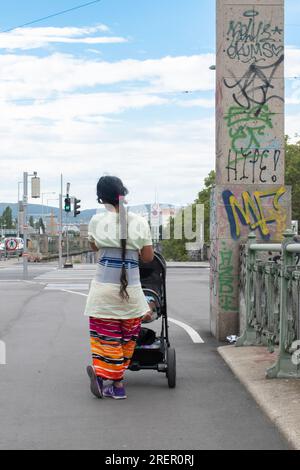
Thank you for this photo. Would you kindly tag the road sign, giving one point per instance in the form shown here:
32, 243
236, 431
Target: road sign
11, 244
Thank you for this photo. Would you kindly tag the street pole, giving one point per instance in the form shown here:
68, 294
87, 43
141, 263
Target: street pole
25, 204
18, 216
60, 223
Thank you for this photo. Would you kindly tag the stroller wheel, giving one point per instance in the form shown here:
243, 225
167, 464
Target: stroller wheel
171, 363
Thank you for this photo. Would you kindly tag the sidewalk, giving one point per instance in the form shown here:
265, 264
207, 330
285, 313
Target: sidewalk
9, 262
278, 398
188, 264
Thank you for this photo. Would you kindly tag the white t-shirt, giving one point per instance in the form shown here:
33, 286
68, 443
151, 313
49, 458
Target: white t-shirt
104, 231
104, 299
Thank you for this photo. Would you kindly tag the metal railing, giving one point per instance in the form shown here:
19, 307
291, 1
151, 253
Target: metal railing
272, 296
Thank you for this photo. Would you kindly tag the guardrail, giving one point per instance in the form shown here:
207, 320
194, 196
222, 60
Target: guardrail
272, 297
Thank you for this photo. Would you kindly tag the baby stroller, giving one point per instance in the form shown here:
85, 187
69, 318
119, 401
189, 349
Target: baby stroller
154, 352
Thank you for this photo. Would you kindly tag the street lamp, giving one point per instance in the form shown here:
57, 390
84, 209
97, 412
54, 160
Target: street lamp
18, 215
35, 185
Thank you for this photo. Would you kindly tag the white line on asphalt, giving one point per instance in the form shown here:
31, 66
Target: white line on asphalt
73, 292
196, 338
67, 286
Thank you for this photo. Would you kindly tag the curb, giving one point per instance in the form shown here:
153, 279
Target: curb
283, 418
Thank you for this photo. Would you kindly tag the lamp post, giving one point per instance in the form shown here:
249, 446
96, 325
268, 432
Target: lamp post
18, 216
35, 194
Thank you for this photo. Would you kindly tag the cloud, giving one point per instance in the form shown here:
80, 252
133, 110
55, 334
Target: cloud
75, 115
198, 103
35, 38
28, 76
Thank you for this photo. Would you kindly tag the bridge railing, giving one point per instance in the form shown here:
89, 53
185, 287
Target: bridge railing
272, 297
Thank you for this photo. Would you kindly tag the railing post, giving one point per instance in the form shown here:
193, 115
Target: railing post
249, 337
285, 366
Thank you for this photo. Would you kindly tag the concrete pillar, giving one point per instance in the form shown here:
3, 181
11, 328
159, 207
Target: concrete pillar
250, 193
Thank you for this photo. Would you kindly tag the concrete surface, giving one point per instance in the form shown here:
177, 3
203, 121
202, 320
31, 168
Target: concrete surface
279, 399
9, 262
45, 399
188, 264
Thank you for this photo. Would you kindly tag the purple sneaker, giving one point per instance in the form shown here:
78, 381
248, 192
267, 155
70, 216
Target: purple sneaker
96, 382
117, 393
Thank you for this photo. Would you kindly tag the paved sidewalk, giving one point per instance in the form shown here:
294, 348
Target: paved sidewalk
278, 398
188, 264
9, 262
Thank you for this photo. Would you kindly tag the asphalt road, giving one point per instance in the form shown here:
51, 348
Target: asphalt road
45, 398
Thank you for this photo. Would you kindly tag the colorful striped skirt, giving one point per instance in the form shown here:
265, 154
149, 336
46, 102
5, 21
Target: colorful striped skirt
113, 343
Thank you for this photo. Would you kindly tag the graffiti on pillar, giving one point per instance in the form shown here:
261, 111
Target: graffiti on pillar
256, 87
250, 122
246, 128
258, 211
228, 300
245, 165
252, 39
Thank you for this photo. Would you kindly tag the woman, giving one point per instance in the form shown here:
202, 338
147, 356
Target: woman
116, 303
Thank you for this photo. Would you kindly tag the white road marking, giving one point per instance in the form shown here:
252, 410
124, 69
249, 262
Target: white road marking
67, 286
73, 292
196, 338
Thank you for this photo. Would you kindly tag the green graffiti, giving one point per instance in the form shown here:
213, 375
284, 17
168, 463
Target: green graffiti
227, 296
248, 127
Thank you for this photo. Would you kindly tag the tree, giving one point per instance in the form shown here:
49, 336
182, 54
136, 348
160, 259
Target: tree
204, 198
31, 221
292, 175
176, 249
40, 226
7, 218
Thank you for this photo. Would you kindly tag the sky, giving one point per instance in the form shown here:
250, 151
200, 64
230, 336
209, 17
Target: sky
103, 90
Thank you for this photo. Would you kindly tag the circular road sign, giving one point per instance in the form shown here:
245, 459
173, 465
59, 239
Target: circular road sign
11, 244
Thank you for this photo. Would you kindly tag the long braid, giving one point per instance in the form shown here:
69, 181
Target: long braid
123, 239
110, 190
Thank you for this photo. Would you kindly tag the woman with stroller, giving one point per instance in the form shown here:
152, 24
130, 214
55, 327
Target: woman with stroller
116, 303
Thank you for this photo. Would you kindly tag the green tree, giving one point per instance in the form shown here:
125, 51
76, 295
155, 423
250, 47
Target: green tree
292, 175
7, 218
31, 222
39, 225
204, 198
175, 249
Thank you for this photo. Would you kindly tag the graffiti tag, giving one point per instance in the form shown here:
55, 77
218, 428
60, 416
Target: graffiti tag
248, 163
253, 40
255, 86
250, 211
246, 128
228, 301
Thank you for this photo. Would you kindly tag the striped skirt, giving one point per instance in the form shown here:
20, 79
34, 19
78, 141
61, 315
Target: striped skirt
113, 343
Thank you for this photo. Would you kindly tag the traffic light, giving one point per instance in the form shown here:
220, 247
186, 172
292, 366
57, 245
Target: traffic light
77, 207
68, 204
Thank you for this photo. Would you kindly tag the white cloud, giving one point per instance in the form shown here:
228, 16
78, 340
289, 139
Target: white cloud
72, 122
35, 38
198, 103
40, 77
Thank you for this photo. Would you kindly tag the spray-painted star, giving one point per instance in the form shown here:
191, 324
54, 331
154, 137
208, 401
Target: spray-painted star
277, 30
